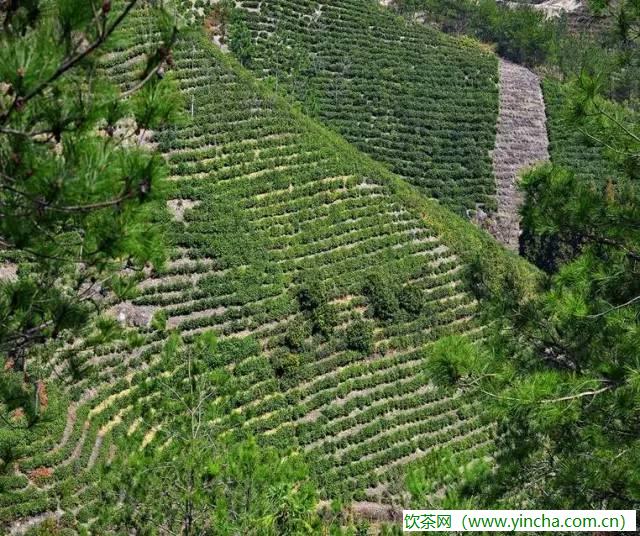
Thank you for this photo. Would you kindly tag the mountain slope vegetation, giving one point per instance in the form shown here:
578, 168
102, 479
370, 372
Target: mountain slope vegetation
421, 102
330, 335
327, 279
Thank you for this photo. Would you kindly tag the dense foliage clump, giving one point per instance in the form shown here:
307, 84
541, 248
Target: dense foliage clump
520, 34
78, 185
563, 380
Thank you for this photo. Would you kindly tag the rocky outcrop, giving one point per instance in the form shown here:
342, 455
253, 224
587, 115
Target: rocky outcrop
131, 315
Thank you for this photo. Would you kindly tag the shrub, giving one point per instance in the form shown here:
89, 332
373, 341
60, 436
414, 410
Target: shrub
312, 294
324, 319
240, 41
360, 337
382, 296
296, 334
412, 300
284, 363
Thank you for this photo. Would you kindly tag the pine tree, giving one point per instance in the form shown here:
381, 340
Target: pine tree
563, 380
77, 186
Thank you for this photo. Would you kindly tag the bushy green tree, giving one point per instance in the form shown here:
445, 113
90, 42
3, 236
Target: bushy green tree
297, 332
239, 35
563, 377
284, 363
360, 337
323, 319
76, 185
314, 303
412, 300
382, 295
311, 294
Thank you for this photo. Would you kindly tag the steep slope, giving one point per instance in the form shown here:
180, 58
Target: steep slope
265, 199
422, 102
568, 146
521, 143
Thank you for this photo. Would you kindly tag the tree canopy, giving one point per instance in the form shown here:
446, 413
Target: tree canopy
77, 183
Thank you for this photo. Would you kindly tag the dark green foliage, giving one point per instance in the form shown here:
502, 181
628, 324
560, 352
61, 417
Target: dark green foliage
77, 203
548, 251
284, 363
521, 34
360, 337
489, 280
562, 385
313, 301
297, 332
17, 396
382, 294
324, 319
312, 294
240, 41
412, 300
390, 301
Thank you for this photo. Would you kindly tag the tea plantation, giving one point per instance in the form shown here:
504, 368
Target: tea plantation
423, 103
567, 144
326, 277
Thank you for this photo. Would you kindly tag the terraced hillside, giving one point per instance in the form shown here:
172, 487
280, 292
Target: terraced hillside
265, 201
567, 145
422, 102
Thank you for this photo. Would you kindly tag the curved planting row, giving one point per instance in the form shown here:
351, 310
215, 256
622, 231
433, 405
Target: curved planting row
266, 203
422, 102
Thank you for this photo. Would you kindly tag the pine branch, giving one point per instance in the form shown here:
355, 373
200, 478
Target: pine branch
580, 395
611, 242
550, 400
611, 309
71, 208
620, 125
68, 63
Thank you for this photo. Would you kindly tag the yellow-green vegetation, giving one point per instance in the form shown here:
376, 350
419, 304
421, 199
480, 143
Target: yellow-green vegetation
325, 277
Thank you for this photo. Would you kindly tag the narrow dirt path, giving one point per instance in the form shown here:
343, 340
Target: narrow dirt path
521, 142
